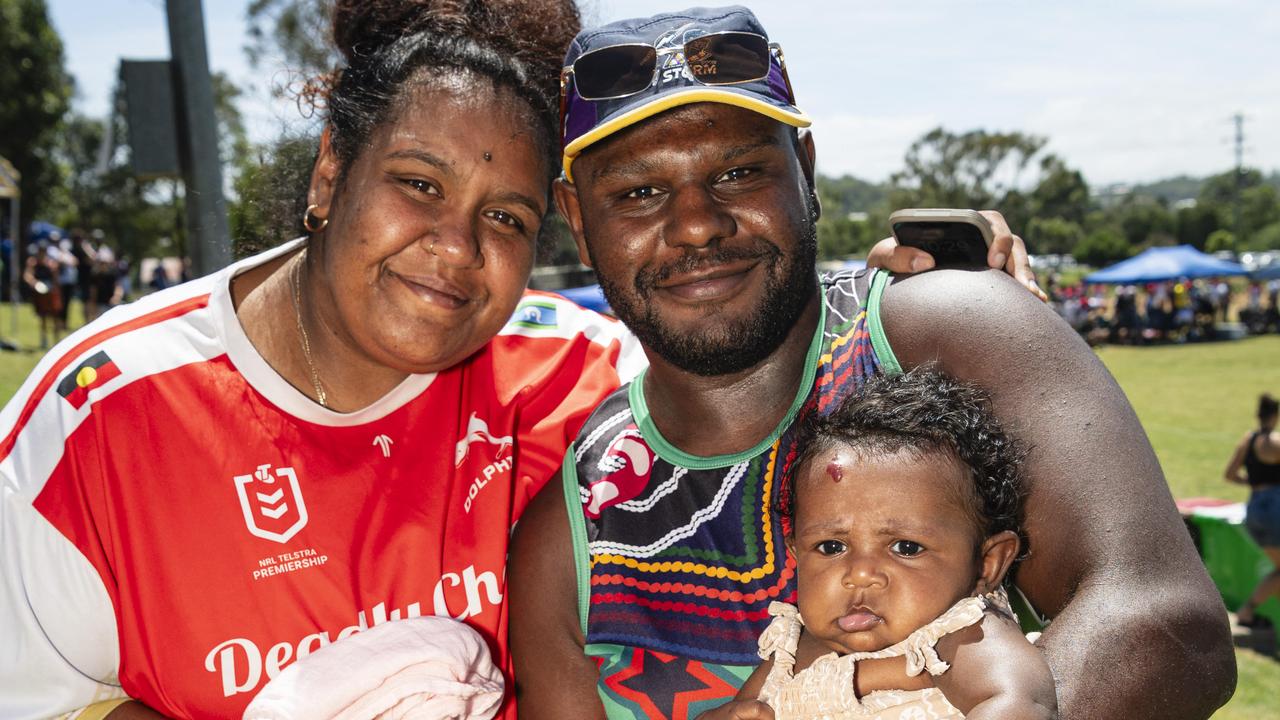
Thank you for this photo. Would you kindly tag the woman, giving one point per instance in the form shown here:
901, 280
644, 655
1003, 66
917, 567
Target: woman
216, 481
1258, 456
40, 277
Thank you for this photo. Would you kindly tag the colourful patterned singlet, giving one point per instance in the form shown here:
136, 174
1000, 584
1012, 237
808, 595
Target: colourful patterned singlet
677, 556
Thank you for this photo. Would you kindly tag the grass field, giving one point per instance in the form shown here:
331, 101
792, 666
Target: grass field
1195, 401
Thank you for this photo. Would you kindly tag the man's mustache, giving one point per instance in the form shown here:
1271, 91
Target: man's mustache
695, 261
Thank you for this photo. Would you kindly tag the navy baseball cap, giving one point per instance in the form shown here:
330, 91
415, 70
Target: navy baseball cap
675, 79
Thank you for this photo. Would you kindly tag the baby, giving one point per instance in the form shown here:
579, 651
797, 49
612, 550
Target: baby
907, 507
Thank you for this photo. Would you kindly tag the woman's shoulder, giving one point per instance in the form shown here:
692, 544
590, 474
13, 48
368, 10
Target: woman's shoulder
1265, 445
549, 333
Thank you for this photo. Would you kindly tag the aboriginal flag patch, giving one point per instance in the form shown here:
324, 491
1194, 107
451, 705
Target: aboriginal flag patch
94, 372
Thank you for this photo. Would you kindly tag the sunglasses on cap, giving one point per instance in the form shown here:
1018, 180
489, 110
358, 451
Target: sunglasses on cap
618, 71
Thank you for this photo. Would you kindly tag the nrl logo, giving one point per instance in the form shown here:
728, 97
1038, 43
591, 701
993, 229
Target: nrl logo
273, 510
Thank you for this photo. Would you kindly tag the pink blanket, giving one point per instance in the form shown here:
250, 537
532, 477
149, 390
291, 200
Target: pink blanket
427, 668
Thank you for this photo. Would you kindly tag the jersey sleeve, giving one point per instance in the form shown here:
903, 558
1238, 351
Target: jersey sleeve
578, 357
60, 649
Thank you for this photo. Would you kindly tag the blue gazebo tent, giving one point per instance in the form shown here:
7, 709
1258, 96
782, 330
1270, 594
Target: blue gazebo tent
1270, 272
1165, 263
590, 297
41, 230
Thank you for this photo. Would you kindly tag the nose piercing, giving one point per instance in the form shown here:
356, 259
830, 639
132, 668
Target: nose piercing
432, 249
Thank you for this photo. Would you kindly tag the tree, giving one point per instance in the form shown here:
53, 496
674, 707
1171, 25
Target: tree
981, 169
840, 237
1102, 247
970, 170
1143, 221
234, 148
1061, 193
36, 92
295, 30
134, 214
1245, 202
1052, 235
1267, 238
271, 192
1219, 240
1194, 224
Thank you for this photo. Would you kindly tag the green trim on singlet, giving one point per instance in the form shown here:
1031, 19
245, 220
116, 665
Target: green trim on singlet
679, 458
1029, 618
879, 341
577, 533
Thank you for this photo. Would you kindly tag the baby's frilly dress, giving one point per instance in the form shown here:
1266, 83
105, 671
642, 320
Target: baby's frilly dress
825, 689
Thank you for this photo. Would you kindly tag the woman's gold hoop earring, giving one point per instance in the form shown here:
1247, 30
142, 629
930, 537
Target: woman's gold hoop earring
312, 222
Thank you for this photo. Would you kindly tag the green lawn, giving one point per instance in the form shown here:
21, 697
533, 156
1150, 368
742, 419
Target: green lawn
1195, 401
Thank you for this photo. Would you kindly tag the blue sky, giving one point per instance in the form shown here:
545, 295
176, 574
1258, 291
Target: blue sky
1125, 90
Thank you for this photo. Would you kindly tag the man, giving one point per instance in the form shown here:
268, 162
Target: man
691, 192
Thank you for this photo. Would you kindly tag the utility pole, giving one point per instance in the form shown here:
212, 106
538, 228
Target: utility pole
1236, 214
208, 234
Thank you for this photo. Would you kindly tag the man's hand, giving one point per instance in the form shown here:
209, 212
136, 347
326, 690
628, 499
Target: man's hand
1008, 252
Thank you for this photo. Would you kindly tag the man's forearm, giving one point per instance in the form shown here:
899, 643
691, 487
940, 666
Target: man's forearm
1138, 653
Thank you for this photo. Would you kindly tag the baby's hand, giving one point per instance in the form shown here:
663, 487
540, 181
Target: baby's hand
739, 710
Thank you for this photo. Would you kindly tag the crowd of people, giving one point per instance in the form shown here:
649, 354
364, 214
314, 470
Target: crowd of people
58, 270
1168, 311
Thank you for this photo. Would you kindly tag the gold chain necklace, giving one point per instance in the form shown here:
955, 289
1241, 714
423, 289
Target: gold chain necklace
294, 270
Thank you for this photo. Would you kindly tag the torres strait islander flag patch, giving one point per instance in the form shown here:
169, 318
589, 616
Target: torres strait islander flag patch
96, 371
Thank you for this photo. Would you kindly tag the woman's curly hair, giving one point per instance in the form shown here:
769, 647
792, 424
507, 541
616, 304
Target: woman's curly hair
388, 44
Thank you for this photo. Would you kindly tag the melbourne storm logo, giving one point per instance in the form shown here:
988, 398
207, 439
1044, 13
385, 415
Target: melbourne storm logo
674, 66
272, 503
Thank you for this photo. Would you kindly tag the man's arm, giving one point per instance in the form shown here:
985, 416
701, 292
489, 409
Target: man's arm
1139, 629
554, 678
996, 673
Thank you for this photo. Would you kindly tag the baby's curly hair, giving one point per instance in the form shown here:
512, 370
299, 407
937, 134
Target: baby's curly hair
925, 411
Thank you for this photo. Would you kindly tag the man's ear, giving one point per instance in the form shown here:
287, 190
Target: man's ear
324, 176
807, 154
998, 553
566, 196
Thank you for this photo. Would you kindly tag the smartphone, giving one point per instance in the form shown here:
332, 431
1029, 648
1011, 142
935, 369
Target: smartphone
952, 237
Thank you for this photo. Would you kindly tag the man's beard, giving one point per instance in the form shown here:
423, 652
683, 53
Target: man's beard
732, 346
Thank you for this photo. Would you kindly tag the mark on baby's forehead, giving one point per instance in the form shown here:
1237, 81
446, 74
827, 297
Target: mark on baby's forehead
835, 469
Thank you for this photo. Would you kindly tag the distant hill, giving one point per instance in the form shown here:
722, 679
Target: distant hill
1173, 189
848, 194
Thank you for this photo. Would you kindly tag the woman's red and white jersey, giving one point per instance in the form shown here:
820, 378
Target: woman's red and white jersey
178, 523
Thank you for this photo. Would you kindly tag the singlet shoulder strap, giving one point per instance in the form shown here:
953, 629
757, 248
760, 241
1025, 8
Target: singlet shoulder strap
869, 285
577, 534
